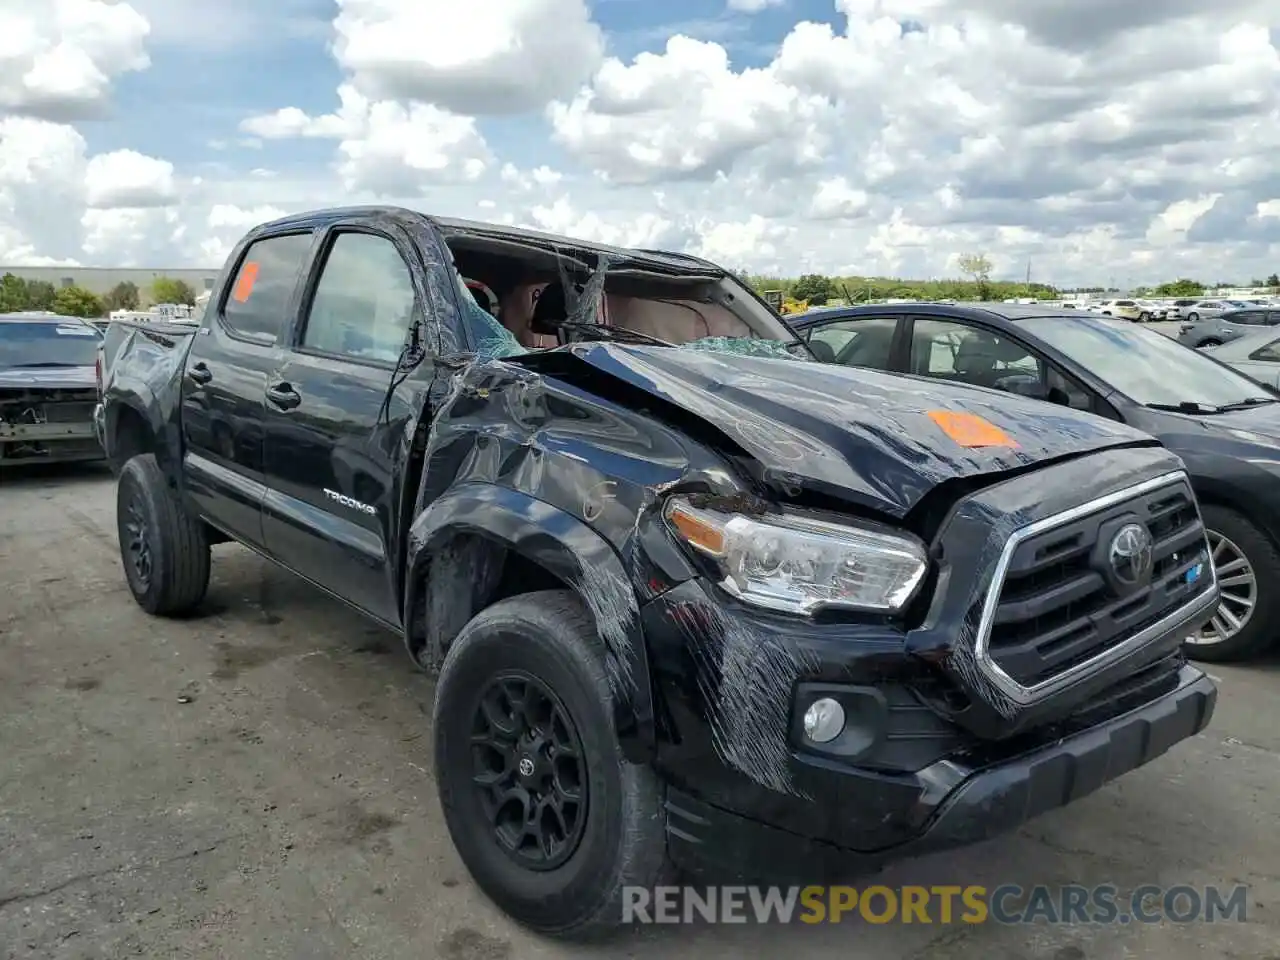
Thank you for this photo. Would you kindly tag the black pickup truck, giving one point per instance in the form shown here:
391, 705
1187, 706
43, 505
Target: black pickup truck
697, 601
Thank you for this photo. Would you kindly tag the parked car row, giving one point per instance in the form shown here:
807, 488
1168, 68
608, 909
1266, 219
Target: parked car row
1192, 309
1223, 424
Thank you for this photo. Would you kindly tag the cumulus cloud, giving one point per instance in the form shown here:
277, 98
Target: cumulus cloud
487, 56
685, 112
126, 178
387, 148
58, 57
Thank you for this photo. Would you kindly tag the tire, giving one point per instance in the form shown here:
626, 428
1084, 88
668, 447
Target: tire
1193, 317
150, 519
1263, 560
551, 639
1211, 342
1144, 318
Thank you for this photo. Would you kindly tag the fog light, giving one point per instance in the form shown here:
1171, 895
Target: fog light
824, 720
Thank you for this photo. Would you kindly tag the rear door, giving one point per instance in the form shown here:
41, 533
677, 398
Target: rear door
225, 380
336, 418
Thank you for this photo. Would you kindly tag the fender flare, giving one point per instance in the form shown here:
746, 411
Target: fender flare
142, 401
572, 551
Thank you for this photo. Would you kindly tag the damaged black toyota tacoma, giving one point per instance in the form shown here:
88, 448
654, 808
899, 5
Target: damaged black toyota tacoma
697, 602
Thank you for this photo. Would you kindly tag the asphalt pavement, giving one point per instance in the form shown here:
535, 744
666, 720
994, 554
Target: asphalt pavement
257, 783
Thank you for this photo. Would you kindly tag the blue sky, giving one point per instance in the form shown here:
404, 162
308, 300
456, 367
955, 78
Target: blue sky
890, 140
196, 94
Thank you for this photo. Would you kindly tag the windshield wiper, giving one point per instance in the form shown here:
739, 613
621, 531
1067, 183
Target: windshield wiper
1247, 402
612, 333
44, 363
1186, 406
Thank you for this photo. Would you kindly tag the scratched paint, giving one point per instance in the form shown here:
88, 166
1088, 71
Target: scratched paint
612, 603
745, 678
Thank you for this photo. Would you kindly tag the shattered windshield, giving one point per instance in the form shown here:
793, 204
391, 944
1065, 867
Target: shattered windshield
582, 309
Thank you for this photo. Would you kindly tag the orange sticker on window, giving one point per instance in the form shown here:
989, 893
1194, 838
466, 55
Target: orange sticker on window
244, 283
970, 430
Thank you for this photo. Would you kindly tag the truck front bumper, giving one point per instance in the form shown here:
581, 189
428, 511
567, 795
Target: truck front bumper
960, 805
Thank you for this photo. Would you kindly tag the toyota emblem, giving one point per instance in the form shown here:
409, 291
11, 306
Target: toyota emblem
1130, 554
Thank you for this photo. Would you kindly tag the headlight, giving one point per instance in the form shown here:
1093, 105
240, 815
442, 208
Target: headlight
799, 565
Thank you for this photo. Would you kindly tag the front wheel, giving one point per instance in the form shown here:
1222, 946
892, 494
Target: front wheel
164, 550
1211, 342
549, 817
1193, 317
1144, 318
1244, 559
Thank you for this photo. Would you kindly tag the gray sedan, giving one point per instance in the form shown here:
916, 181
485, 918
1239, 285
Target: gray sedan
1228, 327
1206, 309
1255, 354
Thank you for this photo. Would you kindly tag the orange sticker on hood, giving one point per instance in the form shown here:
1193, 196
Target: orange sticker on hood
970, 430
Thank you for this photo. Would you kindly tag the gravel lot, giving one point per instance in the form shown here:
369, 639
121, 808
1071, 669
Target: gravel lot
257, 783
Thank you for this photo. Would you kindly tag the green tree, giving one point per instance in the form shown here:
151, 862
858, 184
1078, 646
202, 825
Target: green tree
1182, 287
13, 294
977, 267
40, 295
77, 302
123, 296
815, 288
1273, 281
169, 290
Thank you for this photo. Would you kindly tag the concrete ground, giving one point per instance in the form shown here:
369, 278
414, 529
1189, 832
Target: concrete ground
257, 783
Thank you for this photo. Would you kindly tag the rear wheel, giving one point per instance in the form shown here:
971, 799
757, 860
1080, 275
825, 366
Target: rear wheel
549, 817
1193, 317
1211, 342
165, 551
1244, 560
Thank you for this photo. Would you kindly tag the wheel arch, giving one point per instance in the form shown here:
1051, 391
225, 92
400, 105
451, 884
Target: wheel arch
481, 543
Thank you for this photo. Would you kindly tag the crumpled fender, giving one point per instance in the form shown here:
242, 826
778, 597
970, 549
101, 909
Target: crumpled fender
564, 546
145, 375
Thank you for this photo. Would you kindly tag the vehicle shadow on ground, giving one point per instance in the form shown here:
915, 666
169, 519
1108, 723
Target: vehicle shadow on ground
27, 476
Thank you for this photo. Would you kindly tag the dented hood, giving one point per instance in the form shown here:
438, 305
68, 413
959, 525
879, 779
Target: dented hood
879, 440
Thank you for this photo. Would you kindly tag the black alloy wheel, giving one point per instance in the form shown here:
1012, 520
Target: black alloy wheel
551, 819
529, 771
137, 540
164, 550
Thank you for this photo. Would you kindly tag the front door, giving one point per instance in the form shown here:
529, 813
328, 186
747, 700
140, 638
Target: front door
335, 425
225, 379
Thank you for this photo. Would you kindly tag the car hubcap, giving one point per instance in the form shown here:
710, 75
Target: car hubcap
1239, 588
138, 542
528, 771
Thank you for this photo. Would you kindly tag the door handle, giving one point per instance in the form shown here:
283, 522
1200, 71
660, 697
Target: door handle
284, 396
200, 373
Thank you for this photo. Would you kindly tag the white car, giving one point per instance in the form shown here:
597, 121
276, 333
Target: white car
1124, 310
